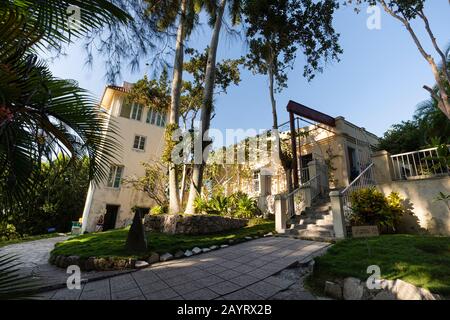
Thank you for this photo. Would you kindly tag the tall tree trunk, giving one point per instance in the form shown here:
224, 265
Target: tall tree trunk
276, 150
174, 195
206, 109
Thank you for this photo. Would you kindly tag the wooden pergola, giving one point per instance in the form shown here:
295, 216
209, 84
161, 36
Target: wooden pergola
295, 108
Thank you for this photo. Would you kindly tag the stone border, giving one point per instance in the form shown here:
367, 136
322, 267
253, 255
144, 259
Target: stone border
113, 263
354, 289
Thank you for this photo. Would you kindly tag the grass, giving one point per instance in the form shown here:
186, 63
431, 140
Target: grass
421, 260
28, 238
112, 243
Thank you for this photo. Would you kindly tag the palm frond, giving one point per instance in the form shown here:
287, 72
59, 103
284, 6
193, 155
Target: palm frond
13, 284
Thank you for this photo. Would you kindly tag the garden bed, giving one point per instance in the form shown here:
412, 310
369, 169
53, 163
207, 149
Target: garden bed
423, 261
106, 250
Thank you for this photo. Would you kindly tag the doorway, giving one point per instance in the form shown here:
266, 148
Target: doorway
353, 164
110, 217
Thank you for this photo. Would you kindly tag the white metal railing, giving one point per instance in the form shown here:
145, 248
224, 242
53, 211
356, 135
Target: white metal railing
299, 195
364, 180
418, 164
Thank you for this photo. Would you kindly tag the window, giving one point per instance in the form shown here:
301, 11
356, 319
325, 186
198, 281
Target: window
125, 110
139, 142
136, 112
115, 176
131, 111
256, 181
156, 118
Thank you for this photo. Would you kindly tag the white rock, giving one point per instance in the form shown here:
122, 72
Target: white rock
214, 247
406, 291
206, 250
196, 250
166, 257
141, 264
268, 234
188, 253
333, 290
224, 246
353, 289
248, 238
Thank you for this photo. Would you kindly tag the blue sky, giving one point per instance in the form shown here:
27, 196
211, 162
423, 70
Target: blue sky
377, 83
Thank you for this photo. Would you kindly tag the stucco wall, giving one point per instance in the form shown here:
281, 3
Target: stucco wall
420, 196
125, 196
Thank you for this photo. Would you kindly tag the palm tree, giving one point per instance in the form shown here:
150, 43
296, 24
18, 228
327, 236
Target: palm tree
168, 13
13, 284
40, 115
216, 10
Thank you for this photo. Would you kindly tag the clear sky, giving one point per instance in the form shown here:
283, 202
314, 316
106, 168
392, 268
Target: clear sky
377, 83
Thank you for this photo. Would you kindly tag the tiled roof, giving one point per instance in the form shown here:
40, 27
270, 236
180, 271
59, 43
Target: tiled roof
121, 89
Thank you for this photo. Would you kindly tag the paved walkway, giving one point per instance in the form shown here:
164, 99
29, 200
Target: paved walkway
239, 272
33, 258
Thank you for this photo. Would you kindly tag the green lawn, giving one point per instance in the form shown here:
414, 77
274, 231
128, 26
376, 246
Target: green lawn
421, 260
111, 243
26, 239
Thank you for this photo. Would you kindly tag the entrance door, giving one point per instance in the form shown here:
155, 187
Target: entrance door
304, 174
110, 217
353, 164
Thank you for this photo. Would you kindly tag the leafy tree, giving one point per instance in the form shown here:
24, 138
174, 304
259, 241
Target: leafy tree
55, 199
40, 115
403, 137
155, 94
153, 183
277, 30
407, 11
216, 19
168, 12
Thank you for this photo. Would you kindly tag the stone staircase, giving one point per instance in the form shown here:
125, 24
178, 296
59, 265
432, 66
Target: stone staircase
314, 223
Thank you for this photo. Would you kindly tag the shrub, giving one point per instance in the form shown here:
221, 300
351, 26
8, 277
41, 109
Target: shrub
243, 206
159, 210
218, 204
238, 205
371, 207
8, 231
201, 205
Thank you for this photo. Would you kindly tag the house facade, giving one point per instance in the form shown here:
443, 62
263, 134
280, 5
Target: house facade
335, 154
141, 132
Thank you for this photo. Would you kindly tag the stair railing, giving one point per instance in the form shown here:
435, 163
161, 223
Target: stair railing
364, 180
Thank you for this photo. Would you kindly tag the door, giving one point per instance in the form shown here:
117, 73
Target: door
304, 174
353, 164
110, 217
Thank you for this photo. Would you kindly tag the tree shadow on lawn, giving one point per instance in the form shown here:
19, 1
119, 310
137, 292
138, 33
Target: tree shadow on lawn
112, 243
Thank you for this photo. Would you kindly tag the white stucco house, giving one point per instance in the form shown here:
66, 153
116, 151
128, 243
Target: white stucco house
142, 139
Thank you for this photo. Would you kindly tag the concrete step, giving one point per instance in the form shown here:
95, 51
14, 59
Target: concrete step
312, 233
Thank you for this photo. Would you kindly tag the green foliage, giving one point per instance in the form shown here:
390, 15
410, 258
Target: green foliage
111, 243
152, 93
278, 29
243, 206
420, 260
238, 205
55, 200
8, 231
13, 284
201, 205
157, 210
219, 204
371, 207
41, 115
